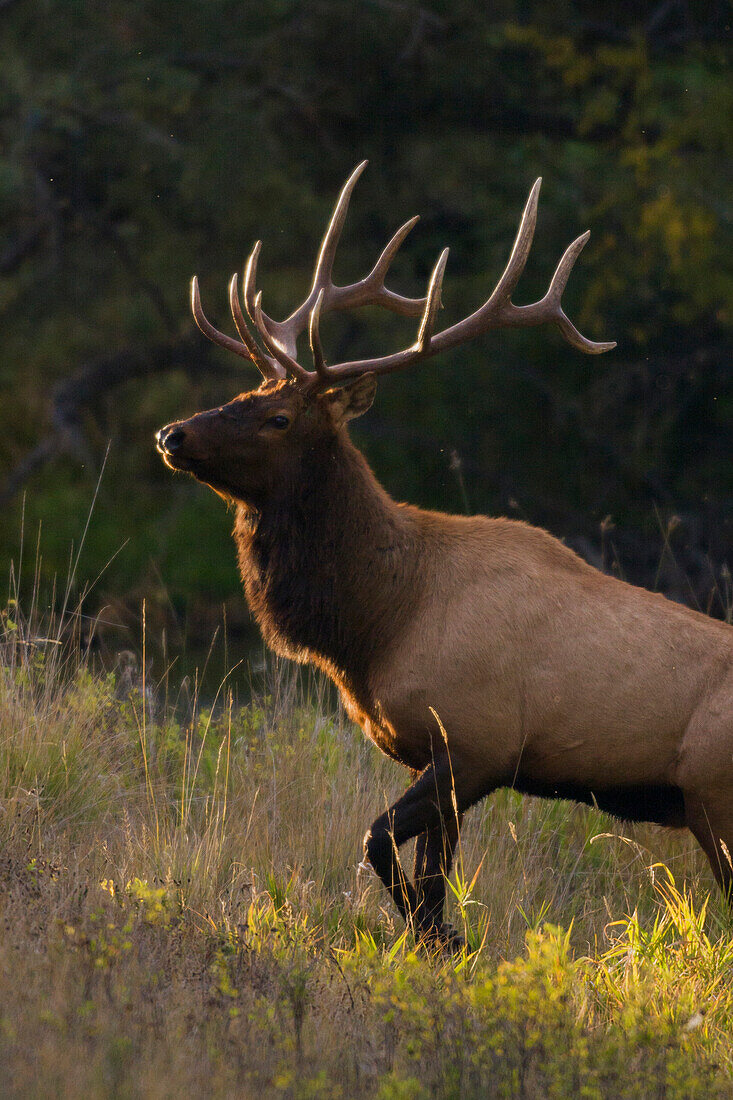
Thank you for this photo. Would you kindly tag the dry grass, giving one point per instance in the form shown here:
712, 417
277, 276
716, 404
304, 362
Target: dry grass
183, 912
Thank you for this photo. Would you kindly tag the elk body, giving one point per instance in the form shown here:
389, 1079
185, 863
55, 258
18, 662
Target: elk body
547, 675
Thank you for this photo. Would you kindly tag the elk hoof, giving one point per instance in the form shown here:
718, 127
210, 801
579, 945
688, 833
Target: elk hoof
442, 938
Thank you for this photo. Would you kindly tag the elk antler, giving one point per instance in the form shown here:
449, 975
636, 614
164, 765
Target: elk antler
280, 337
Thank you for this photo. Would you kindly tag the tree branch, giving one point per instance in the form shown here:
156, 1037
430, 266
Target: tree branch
72, 397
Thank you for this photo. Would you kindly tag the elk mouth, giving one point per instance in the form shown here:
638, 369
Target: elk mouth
177, 462
181, 464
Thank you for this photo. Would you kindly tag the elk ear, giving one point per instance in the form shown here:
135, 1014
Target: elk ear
352, 399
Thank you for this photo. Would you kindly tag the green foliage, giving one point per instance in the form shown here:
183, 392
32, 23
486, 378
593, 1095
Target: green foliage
528, 1027
182, 913
141, 146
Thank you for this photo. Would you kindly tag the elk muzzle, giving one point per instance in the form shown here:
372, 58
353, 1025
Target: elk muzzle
170, 438
193, 445
177, 445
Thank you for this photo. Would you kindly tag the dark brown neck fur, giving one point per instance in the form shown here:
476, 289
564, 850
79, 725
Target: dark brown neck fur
326, 565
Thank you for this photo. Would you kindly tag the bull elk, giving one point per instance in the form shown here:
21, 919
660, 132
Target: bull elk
548, 676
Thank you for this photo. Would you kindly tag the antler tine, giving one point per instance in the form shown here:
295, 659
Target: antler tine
249, 288
268, 329
520, 249
327, 253
267, 367
432, 303
314, 335
374, 282
554, 295
286, 361
577, 340
390, 250
212, 333
559, 280
280, 331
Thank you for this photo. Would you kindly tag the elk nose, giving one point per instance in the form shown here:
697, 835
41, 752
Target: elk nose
170, 439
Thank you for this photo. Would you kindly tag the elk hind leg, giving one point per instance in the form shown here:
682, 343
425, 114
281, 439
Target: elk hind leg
710, 820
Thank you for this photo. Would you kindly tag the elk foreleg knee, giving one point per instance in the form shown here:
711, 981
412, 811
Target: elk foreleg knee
378, 847
381, 851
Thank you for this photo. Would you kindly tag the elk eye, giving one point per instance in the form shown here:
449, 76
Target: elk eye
279, 421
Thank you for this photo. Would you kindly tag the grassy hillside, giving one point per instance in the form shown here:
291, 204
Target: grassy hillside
183, 911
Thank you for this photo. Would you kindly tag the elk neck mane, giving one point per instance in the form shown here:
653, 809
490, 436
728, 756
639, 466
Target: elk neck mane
330, 565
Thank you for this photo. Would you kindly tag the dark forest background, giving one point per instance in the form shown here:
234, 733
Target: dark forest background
143, 142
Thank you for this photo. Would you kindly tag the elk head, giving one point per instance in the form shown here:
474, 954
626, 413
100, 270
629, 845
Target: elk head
260, 440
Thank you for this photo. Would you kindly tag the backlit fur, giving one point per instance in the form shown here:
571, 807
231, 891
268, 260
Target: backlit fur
546, 674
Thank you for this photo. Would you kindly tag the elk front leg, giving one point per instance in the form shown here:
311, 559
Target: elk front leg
433, 860
432, 864
425, 811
